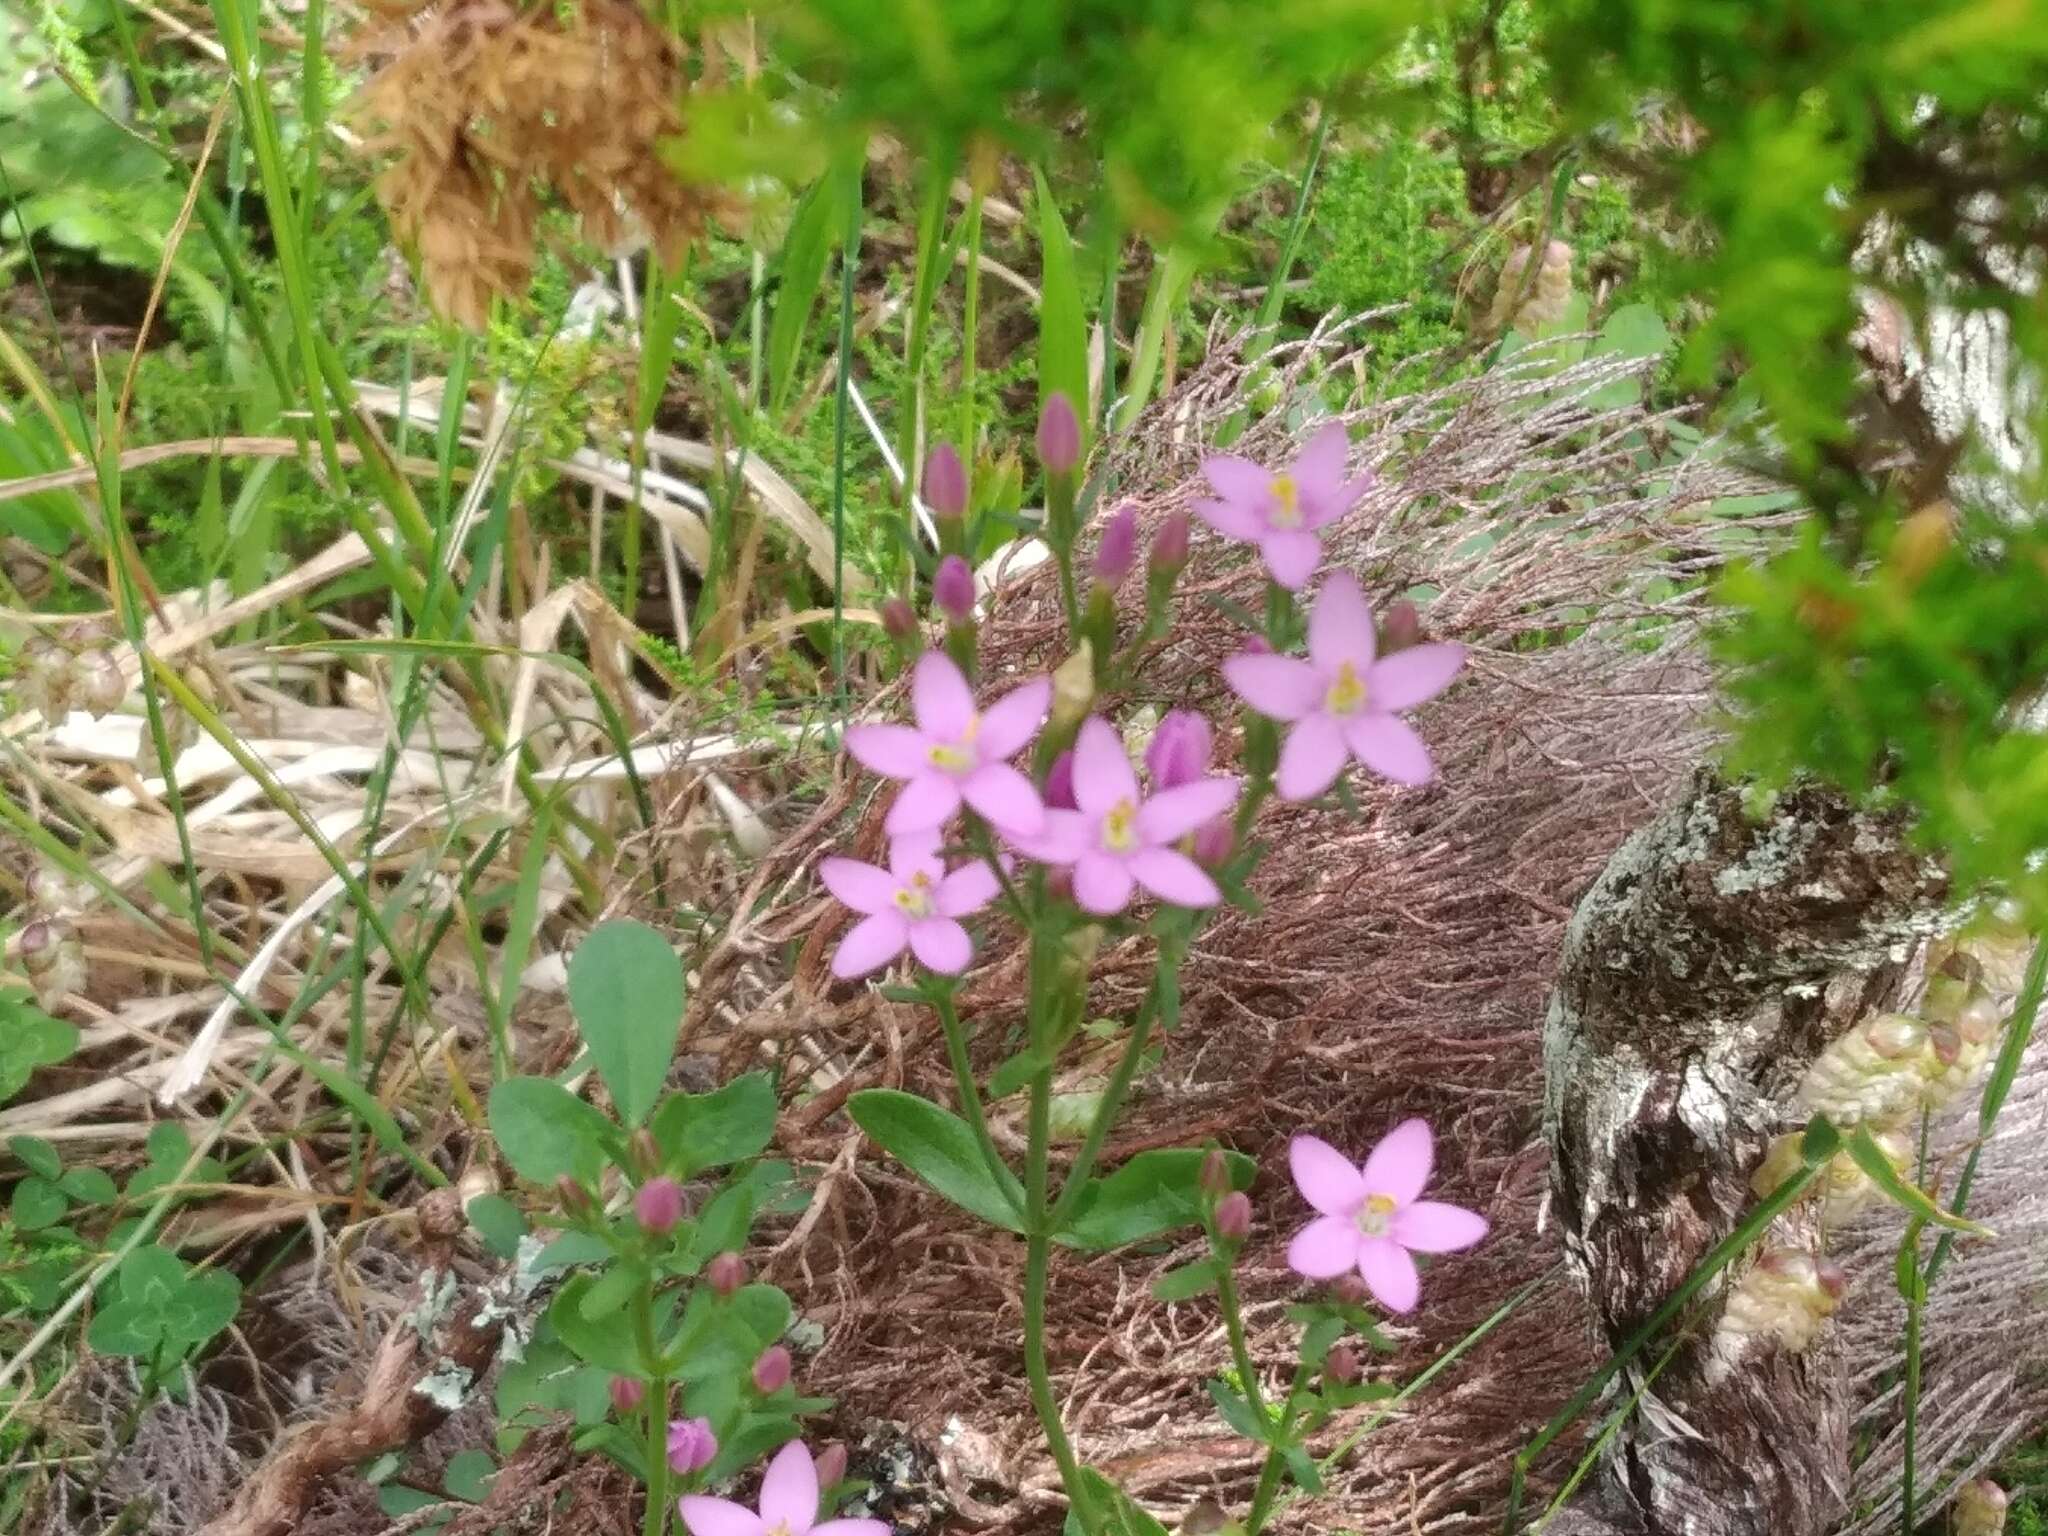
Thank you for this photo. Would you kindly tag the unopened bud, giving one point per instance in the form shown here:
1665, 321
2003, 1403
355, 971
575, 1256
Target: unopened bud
1979, 1019
646, 1152
831, 1465
628, 1393
1785, 1297
1234, 1216
771, 1371
1118, 551
1178, 752
691, 1445
1351, 1289
1980, 1508
101, 688
1215, 1176
1170, 544
572, 1196
1073, 691
725, 1274
1832, 1278
1059, 435
1215, 841
1893, 1035
945, 482
658, 1206
1400, 627
1341, 1365
1059, 783
899, 620
37, 946
953, 590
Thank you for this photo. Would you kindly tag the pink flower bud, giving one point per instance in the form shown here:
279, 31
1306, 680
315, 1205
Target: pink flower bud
1234, 1216
953, 590
691, 1445
1257, 645
1400, 628
628, 1393
574, 1198
1215, 842
725, 1274
899, 620
1059, 784
38, 940
1059, 435
1351, 1289
945, 481
831, 1465
1118, 551
658, 1206
1215, 1175
1341, 1365
1832, 1277
1178, 752
1170, 544
771, 1371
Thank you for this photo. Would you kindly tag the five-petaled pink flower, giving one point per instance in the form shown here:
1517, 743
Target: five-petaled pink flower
1281, 513
1120, 838
1341, 700
914, 903
956, 752
789, 1505
1371, 1218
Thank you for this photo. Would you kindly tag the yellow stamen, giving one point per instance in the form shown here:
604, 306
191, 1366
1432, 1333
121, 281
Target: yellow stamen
1119, 827
1347, 693
958, 756
1375, 1214
914, 899
1286, 496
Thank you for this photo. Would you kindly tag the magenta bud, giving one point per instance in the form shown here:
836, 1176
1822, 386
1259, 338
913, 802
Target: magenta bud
1341, 1365
1215, 1175
574, 1198
1215, 842
1059, 435
899, 620
691, 1445
1059, 784
1832, 1277
658, 1206
1170, 544
831, 1465
39, 936
1178, 752
725, 1274
1118, 551
1400, 628
1257, 645
1059, 882
953, 590
628, 1393
771, 1371
945, 482
1234, 1216
1350, 1289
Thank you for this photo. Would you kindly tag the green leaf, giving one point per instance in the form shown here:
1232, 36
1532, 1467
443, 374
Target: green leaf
468, 1475
1123, 1514
614, 1288
696, 1131
1153, 1193
1062, 321
1187, 1282
89, 1186
1237, 1413
401, 1499
1317, 1338
938, 1147
151, 1275
168, 1142
498, 1222
29, 1038
202, 1308
1869, 1156
1820, 1143
724, 1222
37, 1156
1303, 1468
1015, 1071
724, 1335
545, 1131
1636, 331
603, 1344
626, 987
805, 250
126, 1328
37, 1204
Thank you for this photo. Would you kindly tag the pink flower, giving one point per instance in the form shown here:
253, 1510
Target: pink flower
956, 752
1178, 752
789, 1505
691, 1445
914, 904
953, 590
1341, 700
1370, 1217
1281, 513
1119, 838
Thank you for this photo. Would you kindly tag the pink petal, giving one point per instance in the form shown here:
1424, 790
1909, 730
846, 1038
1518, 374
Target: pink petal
1327, 1179
1319, 472
1237, 479
850, 1527
1102, 884
940, 697
1430, 1226
1174, 813
893, 751
870, 944
1340, 626
1064, 837
1232, 519
860, 886
789, 1489
1172, 876
1399, 1166
1005, 797
1388, 745
1278, 687
926, 802
1389, 1273
1326, 511
941, 945
1013, 720
1310, 759
967, 889
1324, 1249
1408, 677
1291, 556
1102, 770
706, 1516
916, 853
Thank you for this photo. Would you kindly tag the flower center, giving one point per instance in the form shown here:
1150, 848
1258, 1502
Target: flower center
914, 896
1286, 496
1120, 827
1375, 1214
1347, 693
958, 756
780, 1528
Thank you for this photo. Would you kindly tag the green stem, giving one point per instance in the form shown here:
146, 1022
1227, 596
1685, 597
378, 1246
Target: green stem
969, 1093
657, 1414
1276, 1460
1276, 288
1037, 1269
1916, 1298
970, 321
849, 263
